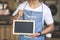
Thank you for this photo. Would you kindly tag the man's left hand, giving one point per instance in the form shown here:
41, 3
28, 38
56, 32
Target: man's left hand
34, 35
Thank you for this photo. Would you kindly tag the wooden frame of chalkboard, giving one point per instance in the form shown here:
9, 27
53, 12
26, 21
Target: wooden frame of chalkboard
23, 27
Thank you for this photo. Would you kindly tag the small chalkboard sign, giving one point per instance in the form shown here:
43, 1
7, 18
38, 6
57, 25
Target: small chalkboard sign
23, 27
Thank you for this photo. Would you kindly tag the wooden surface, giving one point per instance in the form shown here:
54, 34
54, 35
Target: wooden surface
6, 33
52, 38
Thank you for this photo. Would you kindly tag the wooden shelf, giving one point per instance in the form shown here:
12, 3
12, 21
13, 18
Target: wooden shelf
51, 1
52, 38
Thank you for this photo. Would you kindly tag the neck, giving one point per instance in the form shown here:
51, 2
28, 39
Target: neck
34, 3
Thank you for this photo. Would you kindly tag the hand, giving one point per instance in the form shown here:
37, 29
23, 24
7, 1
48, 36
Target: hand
20, 13
34, 35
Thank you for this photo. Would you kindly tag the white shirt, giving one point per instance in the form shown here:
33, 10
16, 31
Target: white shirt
42, 8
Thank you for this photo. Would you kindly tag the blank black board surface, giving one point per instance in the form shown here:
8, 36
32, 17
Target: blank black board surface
23, 27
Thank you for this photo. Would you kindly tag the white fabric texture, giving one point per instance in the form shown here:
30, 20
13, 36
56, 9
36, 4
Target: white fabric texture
47, 16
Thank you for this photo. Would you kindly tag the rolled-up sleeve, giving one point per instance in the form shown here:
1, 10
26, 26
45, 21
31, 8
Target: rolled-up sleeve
20, 7
48, 16
16, 11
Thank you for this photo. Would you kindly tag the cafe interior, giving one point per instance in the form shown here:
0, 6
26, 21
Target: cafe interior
7, 8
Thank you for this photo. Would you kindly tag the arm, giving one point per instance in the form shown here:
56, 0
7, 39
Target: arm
20, 12
48, 20
50, 28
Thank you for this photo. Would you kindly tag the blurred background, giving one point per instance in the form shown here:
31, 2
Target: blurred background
7, 7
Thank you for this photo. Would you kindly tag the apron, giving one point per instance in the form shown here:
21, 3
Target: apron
39, 23
38, 18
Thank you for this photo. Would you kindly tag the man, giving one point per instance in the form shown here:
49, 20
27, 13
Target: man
35, 10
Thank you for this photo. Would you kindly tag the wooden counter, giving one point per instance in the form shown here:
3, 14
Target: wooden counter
52, 38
